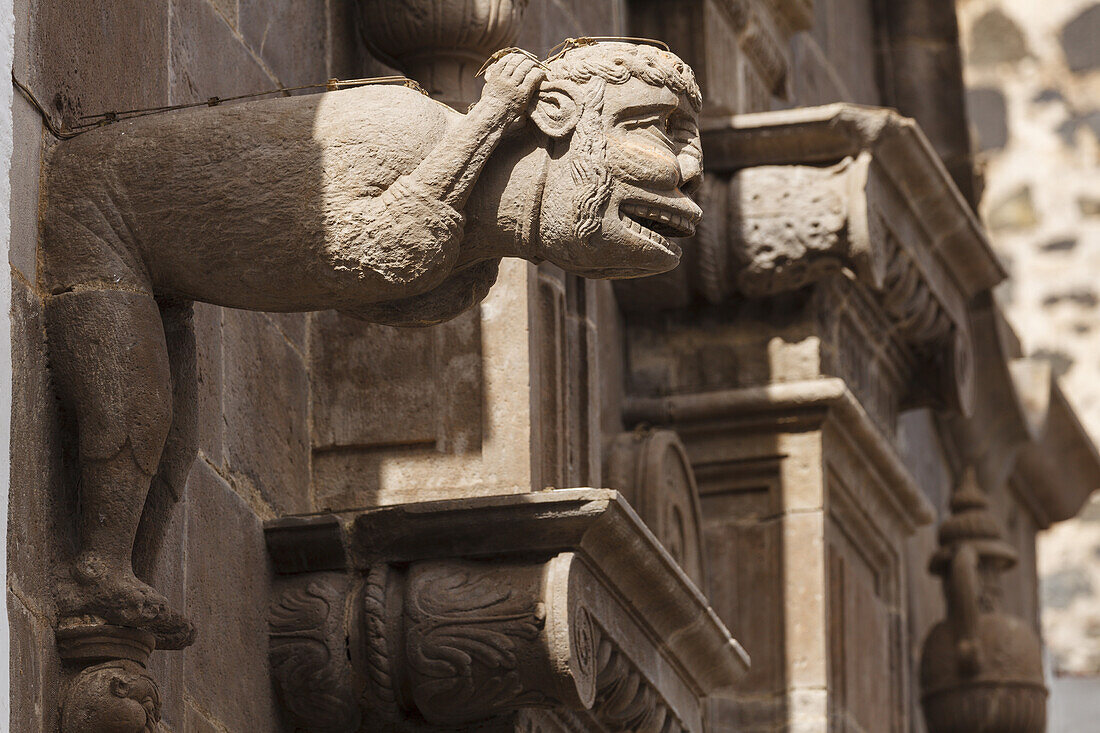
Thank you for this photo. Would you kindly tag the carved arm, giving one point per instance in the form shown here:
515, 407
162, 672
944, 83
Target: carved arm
449, 172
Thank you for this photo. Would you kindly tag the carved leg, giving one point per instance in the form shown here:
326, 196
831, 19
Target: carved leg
181, 444
109, 361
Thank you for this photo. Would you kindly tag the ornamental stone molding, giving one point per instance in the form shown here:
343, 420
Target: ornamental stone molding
555, 606
652, 468
797, 195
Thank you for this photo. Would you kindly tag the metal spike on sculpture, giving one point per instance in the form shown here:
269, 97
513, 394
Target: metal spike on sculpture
981, 669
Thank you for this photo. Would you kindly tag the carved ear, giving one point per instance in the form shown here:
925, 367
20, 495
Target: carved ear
556, 110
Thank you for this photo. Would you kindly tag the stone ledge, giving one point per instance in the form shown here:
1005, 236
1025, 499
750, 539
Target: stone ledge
792, 406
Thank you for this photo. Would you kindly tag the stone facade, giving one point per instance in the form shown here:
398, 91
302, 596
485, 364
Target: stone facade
393, 529
1033, 79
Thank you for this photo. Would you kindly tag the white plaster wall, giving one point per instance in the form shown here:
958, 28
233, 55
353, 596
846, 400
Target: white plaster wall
7, 32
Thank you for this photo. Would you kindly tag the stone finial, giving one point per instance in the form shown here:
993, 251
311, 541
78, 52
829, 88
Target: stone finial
981, 670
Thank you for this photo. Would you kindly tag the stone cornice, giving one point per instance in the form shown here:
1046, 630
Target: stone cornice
803, 193
595, 523
793, 406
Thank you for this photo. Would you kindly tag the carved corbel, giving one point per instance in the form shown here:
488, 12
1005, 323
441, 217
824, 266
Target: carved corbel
485, 613
114, 693
799, 195
446, 643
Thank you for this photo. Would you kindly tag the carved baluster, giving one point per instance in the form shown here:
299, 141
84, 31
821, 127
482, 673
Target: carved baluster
981, 670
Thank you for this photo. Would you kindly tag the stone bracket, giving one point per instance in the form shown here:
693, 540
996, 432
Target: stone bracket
457, 612
800, 194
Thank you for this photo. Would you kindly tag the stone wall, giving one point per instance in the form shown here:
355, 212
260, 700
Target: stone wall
1033, 72
207, 553
255, 395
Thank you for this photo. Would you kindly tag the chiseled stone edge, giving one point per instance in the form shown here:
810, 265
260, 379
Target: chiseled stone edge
813, 400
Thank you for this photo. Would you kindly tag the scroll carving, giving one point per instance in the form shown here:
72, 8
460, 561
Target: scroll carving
625, 699
307, 649
465, 634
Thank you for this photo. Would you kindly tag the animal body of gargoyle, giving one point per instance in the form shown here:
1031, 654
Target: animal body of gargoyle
376, 201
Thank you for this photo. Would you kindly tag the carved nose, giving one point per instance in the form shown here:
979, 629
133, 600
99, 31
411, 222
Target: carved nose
691, 174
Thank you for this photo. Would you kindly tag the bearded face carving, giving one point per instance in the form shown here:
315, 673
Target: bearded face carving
627, 117
376, 201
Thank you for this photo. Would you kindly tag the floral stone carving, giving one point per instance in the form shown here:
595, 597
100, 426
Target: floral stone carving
981, 670
377, 201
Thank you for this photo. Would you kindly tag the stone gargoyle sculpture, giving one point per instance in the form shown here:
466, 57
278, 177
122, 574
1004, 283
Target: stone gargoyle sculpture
376, 201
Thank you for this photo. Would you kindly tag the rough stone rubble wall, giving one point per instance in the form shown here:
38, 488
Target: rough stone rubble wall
1033, 72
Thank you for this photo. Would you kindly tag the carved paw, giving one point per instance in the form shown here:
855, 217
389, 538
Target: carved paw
120, 598
114, 697
512, 80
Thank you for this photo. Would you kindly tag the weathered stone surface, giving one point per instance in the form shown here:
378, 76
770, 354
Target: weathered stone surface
265, 408
989, 114
1079, 40
208, 58
1014, 210
290, 38
995, 38
227, 596
485, 575
27, 137
94, 57
209, 378
228, 10
35, 670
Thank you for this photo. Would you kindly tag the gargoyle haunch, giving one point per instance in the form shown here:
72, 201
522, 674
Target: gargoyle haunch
376, 201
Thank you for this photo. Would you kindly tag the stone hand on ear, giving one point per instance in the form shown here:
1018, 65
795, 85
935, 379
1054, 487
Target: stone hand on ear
513, 79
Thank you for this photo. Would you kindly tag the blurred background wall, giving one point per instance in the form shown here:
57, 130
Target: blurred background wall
1033, 77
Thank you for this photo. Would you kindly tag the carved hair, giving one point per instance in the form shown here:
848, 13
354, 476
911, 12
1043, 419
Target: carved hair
594, 67
618, 63
589, 168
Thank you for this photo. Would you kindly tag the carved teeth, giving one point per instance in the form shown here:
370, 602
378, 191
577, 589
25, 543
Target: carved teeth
674, 223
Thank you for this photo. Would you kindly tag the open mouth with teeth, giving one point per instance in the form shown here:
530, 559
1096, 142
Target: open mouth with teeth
656, 223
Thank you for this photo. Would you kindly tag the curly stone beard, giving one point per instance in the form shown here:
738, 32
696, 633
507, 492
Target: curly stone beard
589, 165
